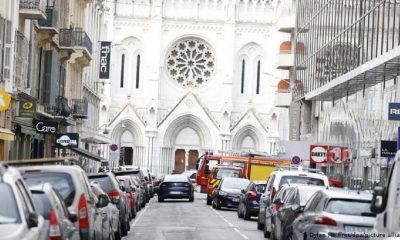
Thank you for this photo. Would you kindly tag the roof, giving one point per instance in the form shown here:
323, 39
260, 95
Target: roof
257, 182
175, 178
348, 194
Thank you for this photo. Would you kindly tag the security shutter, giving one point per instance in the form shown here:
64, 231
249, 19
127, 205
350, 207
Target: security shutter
7, 52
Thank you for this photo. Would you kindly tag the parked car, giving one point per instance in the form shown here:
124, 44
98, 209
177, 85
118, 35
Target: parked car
138, 177
175, 187
293, 207
149, 181
335, 213
191, 174
271, 211
156, 183
19, 217
228, 191
130, 190
58, 221
73, 185
108, 215
249, 202
111, 186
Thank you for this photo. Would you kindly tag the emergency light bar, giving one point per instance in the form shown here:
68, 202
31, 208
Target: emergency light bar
299, 168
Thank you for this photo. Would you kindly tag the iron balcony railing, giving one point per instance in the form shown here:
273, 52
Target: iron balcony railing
82, 39
51, 20
61, 107
79, 108
67, 37
33, 4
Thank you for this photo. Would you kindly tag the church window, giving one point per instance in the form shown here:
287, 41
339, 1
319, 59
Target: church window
242, 79
258, 77
190, 62
122, 70
137, 70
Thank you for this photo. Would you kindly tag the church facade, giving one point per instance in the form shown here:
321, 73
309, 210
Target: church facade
189, 77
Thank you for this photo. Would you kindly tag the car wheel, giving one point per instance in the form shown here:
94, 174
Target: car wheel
191, 199
208, 200
117, 234
267, 234
260, 225
134, 212
246, 214
217, 204
272, 233
160, 199
124, 230
111, 235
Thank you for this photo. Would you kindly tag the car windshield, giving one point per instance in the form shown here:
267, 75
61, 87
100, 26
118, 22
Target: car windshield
227, 172
62, 182
42, 203
175, 178
8, 208
235, 183
301, 180
349, 207
104, 181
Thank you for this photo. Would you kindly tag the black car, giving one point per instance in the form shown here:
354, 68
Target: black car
249, 203
175, 187
227, 193
112, 187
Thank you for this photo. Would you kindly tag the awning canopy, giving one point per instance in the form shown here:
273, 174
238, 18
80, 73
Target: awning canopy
88, 154
6, 134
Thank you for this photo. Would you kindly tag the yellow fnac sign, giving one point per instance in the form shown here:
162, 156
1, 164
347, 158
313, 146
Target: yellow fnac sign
5, 100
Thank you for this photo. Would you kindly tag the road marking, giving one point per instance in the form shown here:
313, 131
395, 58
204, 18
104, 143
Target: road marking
138, 217
230, 224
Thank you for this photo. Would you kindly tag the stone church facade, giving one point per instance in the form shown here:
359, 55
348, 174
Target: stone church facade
189, 77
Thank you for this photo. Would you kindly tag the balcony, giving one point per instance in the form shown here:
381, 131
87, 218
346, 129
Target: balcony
66, 43
32, 9
285, 60
287, 24
79, 108
47, 33
61, 107
82, 47
283, 96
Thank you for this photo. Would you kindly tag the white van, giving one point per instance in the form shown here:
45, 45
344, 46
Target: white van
386, 203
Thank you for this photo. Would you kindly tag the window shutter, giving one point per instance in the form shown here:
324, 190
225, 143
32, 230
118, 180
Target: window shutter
7, 52
2, 23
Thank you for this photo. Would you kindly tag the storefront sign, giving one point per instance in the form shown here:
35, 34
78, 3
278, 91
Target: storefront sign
5, 100
335, 154
394, 111
27, 108
45, 127
388, 148
318, 153
68, 140
105, 54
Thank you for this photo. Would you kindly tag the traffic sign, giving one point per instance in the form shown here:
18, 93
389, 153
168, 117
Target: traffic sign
318, 153
114, 147
5, 100
296, 160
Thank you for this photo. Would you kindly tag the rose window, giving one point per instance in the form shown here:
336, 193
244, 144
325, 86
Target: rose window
190, 62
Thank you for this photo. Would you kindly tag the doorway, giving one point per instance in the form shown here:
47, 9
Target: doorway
179, 161
126, 156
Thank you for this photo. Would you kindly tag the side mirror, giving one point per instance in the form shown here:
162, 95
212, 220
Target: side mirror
146, 178
133, 189
122, 188
277, 201
73, 217
296, 208
103, 201
33, 220
378, 205
243, 191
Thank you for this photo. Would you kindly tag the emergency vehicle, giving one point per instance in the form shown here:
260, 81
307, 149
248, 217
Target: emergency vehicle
255, 167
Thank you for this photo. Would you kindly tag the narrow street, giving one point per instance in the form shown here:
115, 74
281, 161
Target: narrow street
182, 220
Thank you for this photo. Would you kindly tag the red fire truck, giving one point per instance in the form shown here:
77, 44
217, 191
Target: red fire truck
255, 167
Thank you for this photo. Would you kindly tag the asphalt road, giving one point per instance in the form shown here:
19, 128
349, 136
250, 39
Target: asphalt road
183, 220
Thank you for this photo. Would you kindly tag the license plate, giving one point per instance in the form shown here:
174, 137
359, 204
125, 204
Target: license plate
357, 229
175, 192
235, 199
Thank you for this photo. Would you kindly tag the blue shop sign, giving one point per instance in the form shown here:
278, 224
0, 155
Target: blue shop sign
394, 111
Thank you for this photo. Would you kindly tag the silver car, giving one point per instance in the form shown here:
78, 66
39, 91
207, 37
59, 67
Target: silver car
335, 214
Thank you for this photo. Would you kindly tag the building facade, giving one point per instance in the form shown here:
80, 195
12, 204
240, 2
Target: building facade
189, 77
346, 75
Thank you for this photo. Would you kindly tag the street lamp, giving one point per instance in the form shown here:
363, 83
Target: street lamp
105, 130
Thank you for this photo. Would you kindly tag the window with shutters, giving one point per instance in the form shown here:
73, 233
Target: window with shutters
21, 61
7, 52
2, 38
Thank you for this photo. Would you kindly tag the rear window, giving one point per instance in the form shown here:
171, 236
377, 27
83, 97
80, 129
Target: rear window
130, 173
104, 181
42, 203
349, 207
306, 194
235, 183
301, 180
175, 178
62, 182
226, 172
8, 208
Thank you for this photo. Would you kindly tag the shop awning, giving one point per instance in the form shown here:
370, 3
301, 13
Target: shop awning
6, 134
87, 154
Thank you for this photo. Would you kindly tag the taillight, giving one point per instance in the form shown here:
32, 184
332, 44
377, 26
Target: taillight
323, 220
273, 193
54, 228
83, 212
278, 206
114, 194
251, 195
